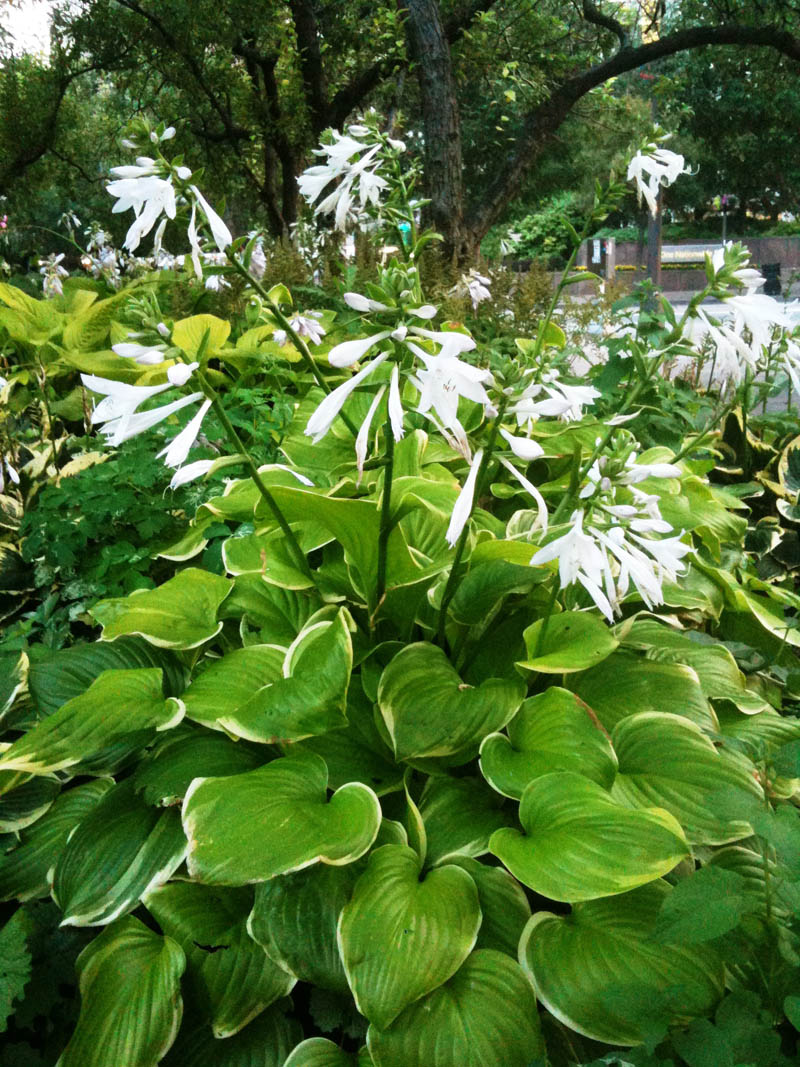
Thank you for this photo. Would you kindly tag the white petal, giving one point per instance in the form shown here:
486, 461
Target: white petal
530, 488
129, 425
178, 448
220, 232
523, 447
362, 440
191, 471
463, 505
180, 373
396, 405
322, 418
349, 352
427, 311
356, 301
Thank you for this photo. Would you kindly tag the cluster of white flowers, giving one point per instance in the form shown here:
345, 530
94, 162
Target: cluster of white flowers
654, 167
613, 546
120, 418
473, 285
52, 273
148, 189
352, 162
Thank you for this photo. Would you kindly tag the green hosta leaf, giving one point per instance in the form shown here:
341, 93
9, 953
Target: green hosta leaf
626, 683
277, 614
269, 556
230, 977
430, 711
119, 852
573, 641
15, 964
400, 936
181, 613
25, 803
467, 1022
165, 776
222, 818
504, 906
320, 1052
295, 918
130, 998
667, 762
599, 970
265, 1042
311, 697
554, 731
487, 583
580, 844
765, 729
59, 676
24, 870
229, 683
190, 333
460, 815
116, 706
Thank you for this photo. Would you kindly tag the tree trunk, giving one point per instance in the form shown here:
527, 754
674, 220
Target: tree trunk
441, 124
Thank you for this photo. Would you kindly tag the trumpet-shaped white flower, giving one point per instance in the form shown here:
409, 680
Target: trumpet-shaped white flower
52, 272
219, 231
562, 401
522, 447
149, 196
579, 560
322, 418
307, 326
444, 380
653, 168
180, 373
475, 286
190, 471
177, 450
118, 410
463, 505
396, 405
744, 274
363, 303
530, 488
347, 353
362, 438
358, 181
146, 355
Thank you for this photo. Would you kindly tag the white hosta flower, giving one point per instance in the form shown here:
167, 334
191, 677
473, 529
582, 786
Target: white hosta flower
745, 274
579, 560
362, 438
347, 353
363, 303
444, 380
258, 263
530, 488
149, 197
463, 505
759, 315
563, 402
322, 418
357, 180
178, 449
118, 410
180, 373
7, 468
522, 447
145, 166
451, 342
309, 327
219, 231
638, 472
52, 272
426, 311
396, 405
279, 337
190, 471
477, 287
653, 168
146, 355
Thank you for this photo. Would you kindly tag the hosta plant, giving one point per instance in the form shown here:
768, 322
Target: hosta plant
457, 763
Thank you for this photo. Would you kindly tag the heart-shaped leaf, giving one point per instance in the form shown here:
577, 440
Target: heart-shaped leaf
600, 971
571, 641
401, 937
130, 998
625, 683
189, 334
223, 817
504, 906
311, 697
554, 731
165, 775
23, 871
228, 683
460, 815
320, 1052
467, 1022
116, 706
181, 613
430, 711
295, 918
580, 844
121, 850
667, 762
230, 978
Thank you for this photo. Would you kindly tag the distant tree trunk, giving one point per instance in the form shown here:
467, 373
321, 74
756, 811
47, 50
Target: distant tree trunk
430, 52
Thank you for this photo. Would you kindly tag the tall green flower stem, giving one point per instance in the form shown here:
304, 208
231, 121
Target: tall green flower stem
386, 516
269, 499
461, 544
297, 340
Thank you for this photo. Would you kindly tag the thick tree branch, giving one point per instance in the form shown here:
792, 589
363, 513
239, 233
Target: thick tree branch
541, 123
593, 14
310, 58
